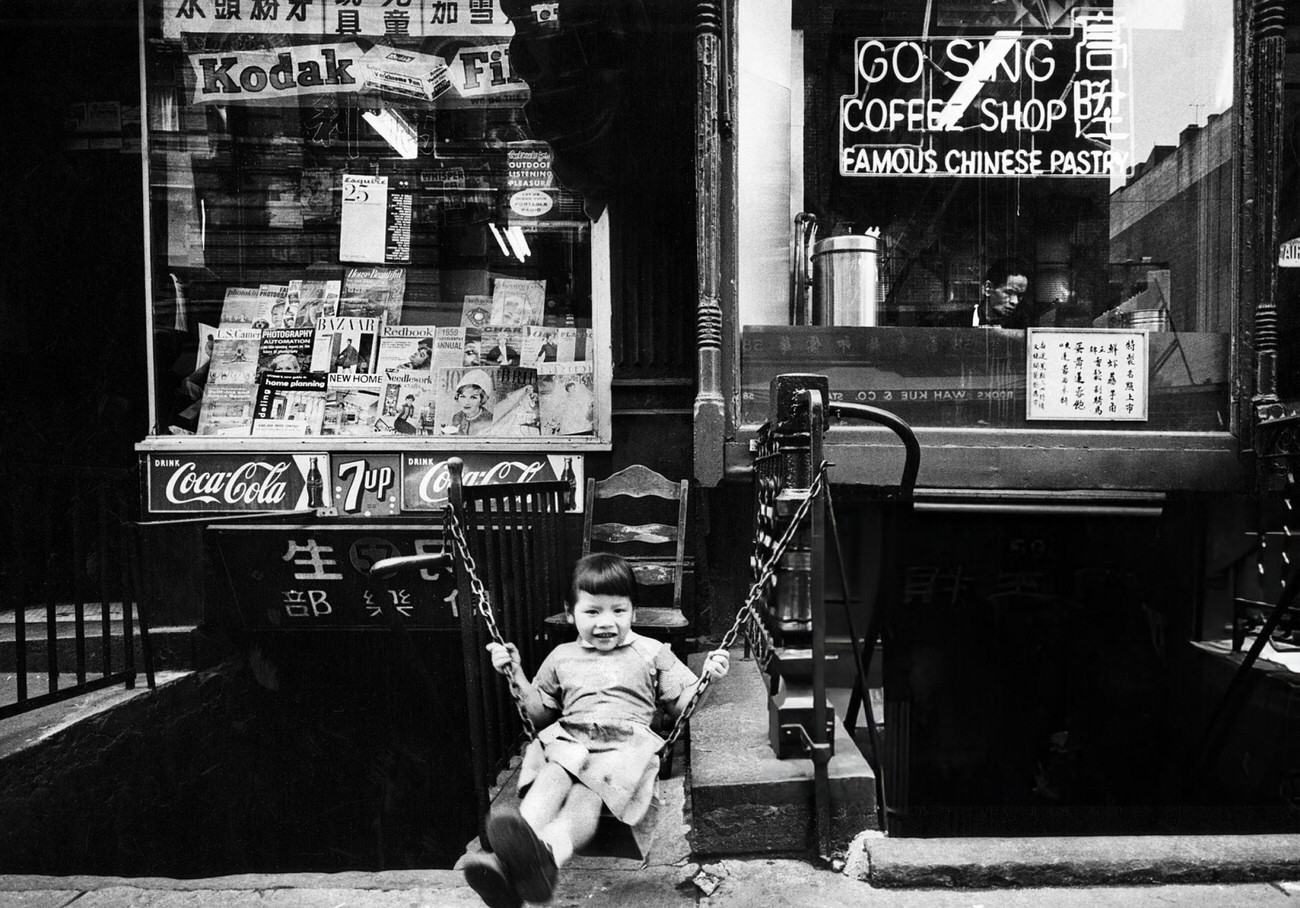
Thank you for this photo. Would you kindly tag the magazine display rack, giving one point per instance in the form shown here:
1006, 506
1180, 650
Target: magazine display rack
360, 262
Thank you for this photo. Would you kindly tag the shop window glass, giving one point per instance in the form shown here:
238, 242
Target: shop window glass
994, 181
1288, 285
354, 230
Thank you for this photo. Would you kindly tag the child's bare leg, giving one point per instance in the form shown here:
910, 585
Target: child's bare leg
546, 796
515, 834
574, 825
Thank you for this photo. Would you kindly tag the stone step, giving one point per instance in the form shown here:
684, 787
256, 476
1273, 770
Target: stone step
746, 801
955, 862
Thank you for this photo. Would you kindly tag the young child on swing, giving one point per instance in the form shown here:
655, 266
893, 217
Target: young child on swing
592, 701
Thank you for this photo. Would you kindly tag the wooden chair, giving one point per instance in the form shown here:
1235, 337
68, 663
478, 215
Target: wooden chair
656, 551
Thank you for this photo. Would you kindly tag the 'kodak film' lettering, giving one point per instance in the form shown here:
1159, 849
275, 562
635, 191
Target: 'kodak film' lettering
232, 78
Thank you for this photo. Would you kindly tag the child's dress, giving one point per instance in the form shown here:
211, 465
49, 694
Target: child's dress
603, 738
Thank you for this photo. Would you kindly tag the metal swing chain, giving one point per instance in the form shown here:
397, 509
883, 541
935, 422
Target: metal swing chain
747, 612
483, 606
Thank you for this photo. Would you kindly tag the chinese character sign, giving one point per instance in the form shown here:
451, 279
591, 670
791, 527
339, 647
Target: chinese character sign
345, 18
1087, 374
312, 577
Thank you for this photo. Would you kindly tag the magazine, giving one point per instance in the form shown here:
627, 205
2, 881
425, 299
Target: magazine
476, 310
234, 356
517, 302
517, 412
406, 348
207, 336
555, 345
316, 192
284, 314
289, 403
345, 345
538, 341
549, 345
352, 403
407, 405
453, 347
566, 344
501, 346
313, 301
285, 350
375, 221
275, 304
226, 409
243, 307
466, 400
374, 291
568, 401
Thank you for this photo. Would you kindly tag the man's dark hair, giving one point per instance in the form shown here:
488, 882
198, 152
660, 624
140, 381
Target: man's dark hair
1001, 269
604, 574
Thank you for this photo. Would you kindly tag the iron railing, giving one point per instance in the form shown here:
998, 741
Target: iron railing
70, 614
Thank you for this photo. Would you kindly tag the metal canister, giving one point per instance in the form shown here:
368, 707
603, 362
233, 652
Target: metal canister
846, 280
1150, 319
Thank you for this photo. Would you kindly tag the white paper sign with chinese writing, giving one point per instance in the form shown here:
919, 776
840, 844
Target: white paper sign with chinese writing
1093, 374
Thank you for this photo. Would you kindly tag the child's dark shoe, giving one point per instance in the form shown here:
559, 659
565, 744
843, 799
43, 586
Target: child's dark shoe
487, 877
528, 860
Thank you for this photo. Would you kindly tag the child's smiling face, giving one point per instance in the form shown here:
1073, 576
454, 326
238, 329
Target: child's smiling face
602, 621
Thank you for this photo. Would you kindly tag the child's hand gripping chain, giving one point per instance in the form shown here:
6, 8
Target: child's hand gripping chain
505, 659
716, 664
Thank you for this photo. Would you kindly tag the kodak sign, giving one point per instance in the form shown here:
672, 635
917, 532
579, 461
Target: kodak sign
244, 77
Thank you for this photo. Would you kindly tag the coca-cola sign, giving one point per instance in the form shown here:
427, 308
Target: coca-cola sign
229, 482
426, 479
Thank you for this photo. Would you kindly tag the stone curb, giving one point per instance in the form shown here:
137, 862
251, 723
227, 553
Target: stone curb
970, 863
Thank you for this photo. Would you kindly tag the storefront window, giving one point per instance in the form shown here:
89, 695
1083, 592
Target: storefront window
1023, 212
355, 234
1288, 261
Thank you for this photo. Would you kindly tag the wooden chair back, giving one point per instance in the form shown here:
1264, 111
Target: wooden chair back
656, 551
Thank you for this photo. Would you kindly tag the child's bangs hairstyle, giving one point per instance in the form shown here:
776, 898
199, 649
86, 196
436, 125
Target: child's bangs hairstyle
604, 574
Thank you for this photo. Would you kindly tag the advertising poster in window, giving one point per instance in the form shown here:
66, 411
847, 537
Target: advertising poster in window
323, 161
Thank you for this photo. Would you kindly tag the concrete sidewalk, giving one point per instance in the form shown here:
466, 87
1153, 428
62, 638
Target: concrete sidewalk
946, 873
744, 883
1199, 872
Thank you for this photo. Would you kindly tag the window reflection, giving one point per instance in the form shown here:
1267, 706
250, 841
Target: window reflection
1018, 165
